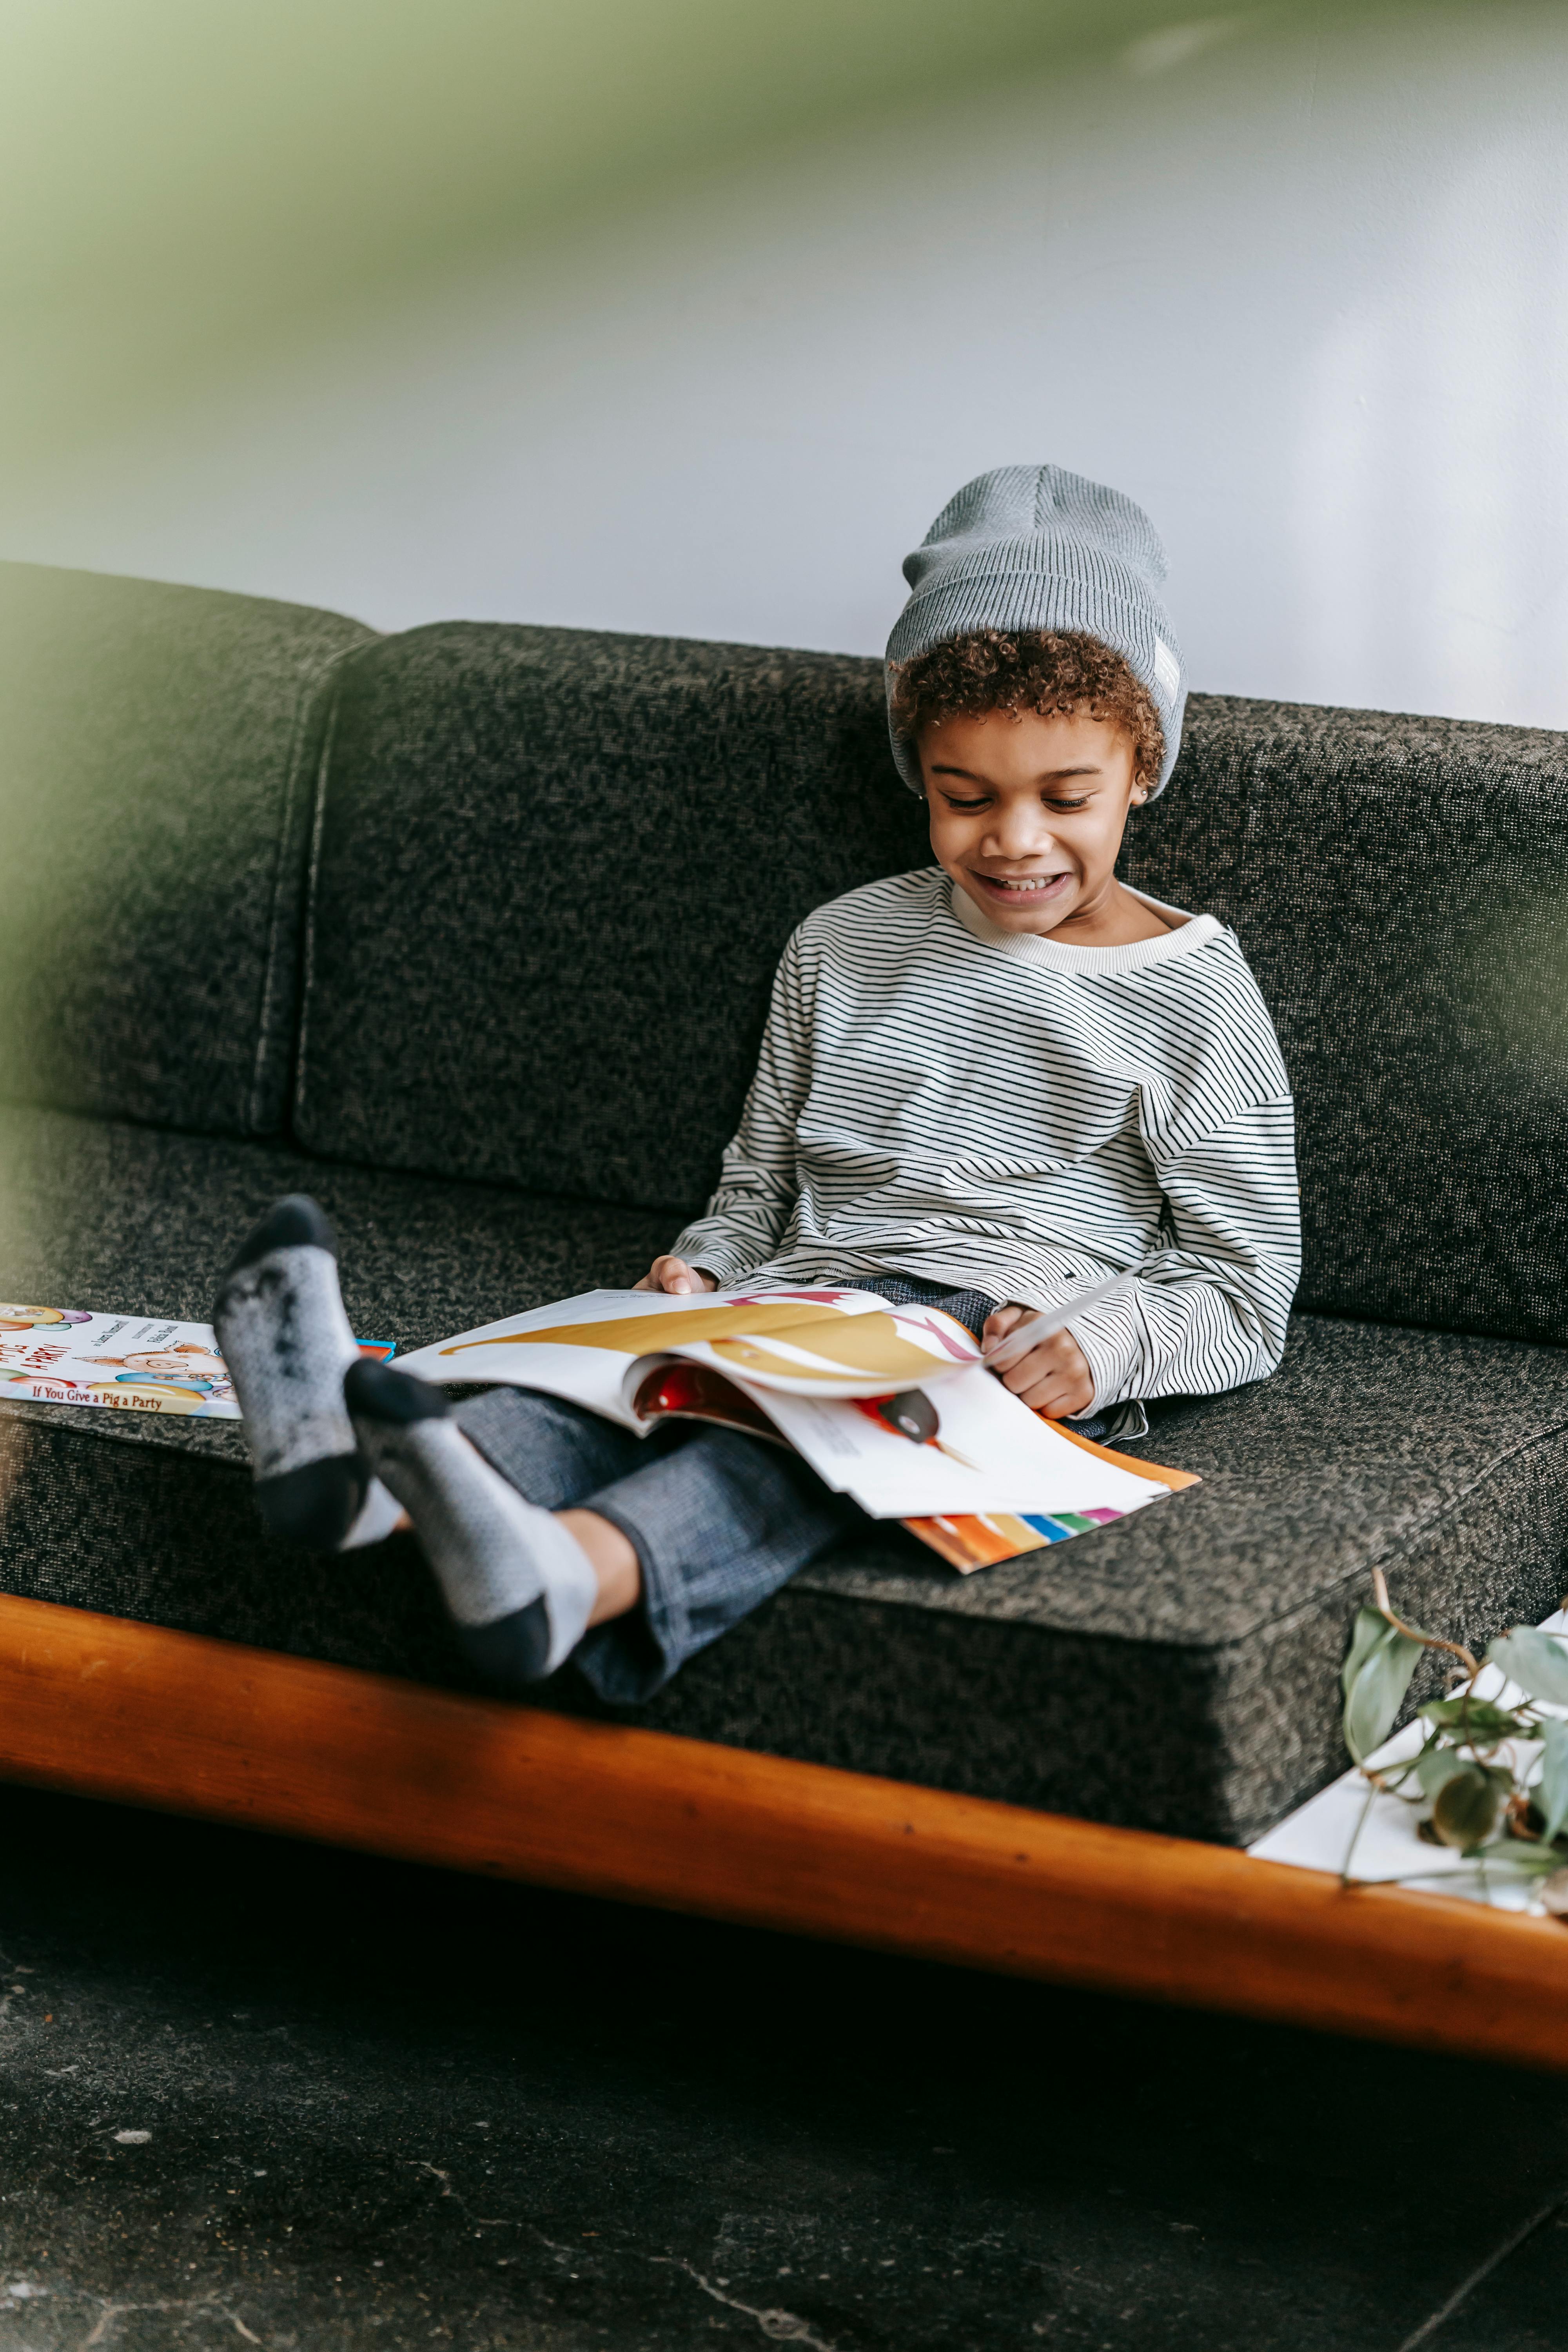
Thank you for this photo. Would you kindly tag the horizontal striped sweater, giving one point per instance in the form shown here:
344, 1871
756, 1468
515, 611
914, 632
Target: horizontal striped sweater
992, 1111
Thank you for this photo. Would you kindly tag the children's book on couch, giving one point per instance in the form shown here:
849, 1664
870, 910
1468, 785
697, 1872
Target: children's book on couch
891, 1406
133, 1363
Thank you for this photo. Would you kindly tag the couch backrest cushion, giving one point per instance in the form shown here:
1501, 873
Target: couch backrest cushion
555, 872
1401, 888
158, 748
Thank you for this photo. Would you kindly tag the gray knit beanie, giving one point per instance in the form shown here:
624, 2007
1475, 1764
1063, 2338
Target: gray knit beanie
1032, 547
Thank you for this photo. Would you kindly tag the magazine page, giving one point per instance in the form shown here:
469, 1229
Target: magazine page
976, 1448
889, 1405
829, 1344
983, 1538
583, 1348
965, 1540
597, 1348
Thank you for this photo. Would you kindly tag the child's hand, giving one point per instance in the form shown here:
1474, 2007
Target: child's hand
673, 1273
1053, 1378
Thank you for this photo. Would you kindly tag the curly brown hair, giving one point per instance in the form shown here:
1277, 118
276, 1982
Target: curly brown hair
1046, 671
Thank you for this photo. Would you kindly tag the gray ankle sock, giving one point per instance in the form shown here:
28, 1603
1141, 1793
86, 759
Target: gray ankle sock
496, 1557
286, 1341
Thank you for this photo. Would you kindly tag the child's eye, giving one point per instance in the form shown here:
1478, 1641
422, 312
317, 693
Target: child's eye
1062, 808
965, 806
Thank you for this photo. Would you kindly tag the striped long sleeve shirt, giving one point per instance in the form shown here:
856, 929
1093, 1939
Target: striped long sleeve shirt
995, 1112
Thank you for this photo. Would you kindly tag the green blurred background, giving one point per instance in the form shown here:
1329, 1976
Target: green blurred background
686, 317
189, 183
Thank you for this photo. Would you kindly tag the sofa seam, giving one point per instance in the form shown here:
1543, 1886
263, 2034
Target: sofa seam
320, 676
303, 705
305, 962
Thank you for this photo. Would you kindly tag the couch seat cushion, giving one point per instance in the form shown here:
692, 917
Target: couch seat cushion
1175, 1671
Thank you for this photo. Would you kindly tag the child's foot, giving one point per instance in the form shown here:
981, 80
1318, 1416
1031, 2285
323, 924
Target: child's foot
518, 1583
286, 1343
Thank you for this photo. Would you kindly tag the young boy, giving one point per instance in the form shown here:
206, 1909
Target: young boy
988, 1084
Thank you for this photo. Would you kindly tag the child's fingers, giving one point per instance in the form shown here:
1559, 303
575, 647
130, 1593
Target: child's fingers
1060, 1394
1052, 1377
1043, 1361
1061, 1399
665, 1273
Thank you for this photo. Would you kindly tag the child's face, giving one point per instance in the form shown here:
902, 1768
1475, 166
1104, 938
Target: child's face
1026, 814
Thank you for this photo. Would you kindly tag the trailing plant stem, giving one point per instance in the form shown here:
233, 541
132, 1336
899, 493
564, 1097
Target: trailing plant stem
1411, 1633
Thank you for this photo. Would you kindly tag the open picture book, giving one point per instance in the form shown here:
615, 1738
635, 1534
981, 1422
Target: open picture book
890, 1405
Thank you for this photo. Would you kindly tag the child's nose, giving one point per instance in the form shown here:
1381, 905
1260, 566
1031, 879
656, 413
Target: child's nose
1020, 833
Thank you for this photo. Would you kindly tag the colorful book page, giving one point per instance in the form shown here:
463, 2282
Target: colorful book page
127, 1363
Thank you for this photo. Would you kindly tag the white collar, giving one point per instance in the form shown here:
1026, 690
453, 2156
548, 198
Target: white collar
1025, 947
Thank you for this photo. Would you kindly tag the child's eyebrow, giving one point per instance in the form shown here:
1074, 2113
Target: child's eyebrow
1046, 776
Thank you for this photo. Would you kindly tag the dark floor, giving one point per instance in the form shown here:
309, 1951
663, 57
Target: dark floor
254, 2093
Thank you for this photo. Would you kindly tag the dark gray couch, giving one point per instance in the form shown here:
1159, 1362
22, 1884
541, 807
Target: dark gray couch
469, 932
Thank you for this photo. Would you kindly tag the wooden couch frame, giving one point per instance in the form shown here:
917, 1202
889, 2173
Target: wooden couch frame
108, 1709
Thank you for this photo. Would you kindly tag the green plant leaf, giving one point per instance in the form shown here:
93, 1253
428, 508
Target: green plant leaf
1535, 1661
1374, 1678
1518, 1854
1466, 1811
1436, 1764
1370, 1630
1476, 1722
1551, 1791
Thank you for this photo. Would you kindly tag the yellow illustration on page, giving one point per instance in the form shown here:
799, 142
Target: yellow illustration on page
848, 1343
860, 1343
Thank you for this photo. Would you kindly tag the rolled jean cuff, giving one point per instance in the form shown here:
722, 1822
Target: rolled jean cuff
717, 1526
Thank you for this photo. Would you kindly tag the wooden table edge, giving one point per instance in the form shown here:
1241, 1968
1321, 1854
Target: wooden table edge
107, 1707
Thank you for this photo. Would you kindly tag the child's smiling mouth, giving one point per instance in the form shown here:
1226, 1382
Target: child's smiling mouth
1022, 890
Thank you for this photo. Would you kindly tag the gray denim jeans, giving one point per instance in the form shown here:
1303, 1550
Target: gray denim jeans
718, 1520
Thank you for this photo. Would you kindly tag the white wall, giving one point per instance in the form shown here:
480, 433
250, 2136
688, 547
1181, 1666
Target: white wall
1307, 300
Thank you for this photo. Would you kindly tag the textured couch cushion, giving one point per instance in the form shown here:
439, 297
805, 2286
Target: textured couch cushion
1401, 886
1176, 1670
157, 749
556, 871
